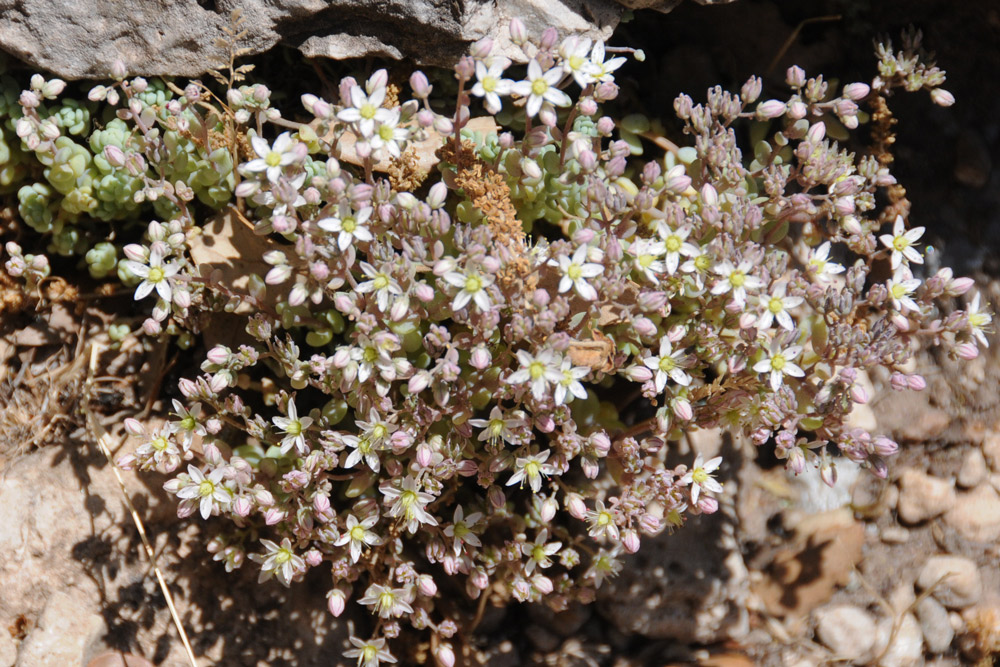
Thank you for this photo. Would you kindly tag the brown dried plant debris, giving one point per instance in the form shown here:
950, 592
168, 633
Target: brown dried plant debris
489, 192
883, 138
405, 173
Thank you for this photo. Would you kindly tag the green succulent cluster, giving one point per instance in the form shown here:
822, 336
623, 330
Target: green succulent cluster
68, 187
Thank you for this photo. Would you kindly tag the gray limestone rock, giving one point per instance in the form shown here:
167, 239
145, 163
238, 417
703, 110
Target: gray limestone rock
179, 37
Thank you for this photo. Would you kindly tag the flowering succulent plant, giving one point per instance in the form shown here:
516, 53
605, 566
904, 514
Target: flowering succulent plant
449, 357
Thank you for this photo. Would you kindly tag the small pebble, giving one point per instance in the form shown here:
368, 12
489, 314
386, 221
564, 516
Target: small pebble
973, 469
849, 632
991, 450
907, 648
976, 515
894, 535
961, 588
935, 625
922, 496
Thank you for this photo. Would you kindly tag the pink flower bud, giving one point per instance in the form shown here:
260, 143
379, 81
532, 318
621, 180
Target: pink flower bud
466, 68
844, 205
605, 126
542, 584
650, 524
850, 224
588, 106
212, 454
548, 510
467, 468
942, 97
967, 351
545, 423
118, 70
218, 383
482, 48
747, 320
795, 76
884, 446
708, 505
421, 87
336, 601
480, 358
771, 109
816, 132
644, 326
443, 125
480, 579
220, 355
683, 410
857, 91
425, 118
828, 473
134, 427
445, 655
437, 195
797, 110
859, 395
638, 374
426, 585
630, 541
916, 382
900, 321
898, 382
151, 327
424, 455
273, 516
518, 31
496, 496
418, 383
601, 443
575, 506
959, 286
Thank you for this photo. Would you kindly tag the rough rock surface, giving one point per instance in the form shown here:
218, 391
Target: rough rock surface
923, 496
178, 37
976, 515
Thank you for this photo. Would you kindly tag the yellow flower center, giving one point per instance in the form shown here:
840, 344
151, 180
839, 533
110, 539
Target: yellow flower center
381, 281
699, 476
574, 271
539, 86
367, 110
667, 364
576, 62
294, 428
206, 488
673, 243
348, 224
900, 243
778, 362
775, 305
737, 278
155, 275
358, 533
273, 158
490, 83
473, 284
536, 370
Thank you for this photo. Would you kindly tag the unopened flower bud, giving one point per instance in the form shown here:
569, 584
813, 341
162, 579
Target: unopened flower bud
844, 205
548, 510
708, 504
857, 91
771, 109
900, 321
650, 523
443, 125
426, 585
601, 443
480, 358
542, 584
942, 97
850, 224
959, 286
133, 427
858, 394
29, 99
630, 541
751, 90
496, 496
465, 69
605, 126
967, 351
219, 355
424, 292
420, 381
518, 31
336, 601
638, 374
151, 327
795, 76
797, 110
916, 382
545, 423
437, 195
242, 506
683, 410
588, 106
898, 382
816, 132
575, 506
421, 87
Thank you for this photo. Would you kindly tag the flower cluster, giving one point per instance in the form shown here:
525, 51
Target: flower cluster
450, 379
